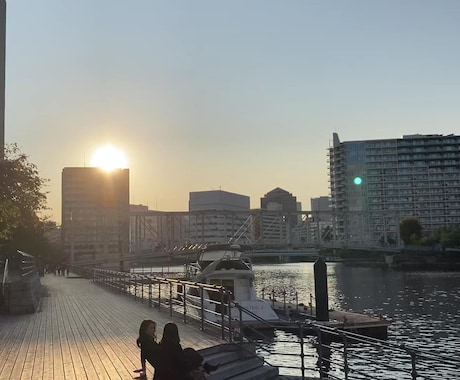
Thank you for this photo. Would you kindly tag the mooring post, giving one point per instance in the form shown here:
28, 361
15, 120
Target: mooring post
321, 296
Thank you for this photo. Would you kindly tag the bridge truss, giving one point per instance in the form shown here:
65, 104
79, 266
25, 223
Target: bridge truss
159, 231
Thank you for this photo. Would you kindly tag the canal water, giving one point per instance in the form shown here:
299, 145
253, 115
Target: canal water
424, 306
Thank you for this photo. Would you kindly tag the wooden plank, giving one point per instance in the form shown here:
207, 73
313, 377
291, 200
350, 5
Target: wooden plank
15, 357
83, 331
12, 329
58, 366
28, 366
48, 365
67, 360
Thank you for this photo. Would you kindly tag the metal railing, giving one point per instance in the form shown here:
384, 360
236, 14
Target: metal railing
204, 303
310, 348
27, 264
289, 299
5, 289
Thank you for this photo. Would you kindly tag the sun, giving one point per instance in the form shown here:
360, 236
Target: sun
108, 157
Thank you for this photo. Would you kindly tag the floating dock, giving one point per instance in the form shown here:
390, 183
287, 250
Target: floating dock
367, 325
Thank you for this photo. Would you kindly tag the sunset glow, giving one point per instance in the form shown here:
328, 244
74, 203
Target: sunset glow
109, 158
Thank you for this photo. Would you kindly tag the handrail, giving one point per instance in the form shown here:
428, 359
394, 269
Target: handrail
5, 276
191, 305
408, 360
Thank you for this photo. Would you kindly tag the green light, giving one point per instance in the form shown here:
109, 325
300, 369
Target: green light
358, 181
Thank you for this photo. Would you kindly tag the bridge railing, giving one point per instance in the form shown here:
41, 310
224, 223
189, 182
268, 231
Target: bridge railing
308, 349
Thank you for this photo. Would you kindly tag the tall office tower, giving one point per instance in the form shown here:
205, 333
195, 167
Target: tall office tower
216, 216
376, 183
95, 216
2, 74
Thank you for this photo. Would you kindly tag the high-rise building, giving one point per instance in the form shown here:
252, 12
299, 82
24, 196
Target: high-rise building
376, 183
95, 215
216, 216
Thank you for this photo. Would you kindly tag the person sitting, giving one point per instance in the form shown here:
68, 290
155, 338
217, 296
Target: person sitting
149, 347
176, 363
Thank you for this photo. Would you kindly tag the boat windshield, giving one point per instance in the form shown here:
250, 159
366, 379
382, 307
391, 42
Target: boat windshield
231, 264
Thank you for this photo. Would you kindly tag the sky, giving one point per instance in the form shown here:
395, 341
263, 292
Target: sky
240, 95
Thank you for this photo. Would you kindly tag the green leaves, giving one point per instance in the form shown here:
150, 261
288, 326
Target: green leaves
21, 195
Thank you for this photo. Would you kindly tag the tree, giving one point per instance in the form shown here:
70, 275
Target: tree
21, 200
448, 236
410, 230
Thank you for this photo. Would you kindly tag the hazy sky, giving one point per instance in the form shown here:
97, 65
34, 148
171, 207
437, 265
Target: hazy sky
241, 96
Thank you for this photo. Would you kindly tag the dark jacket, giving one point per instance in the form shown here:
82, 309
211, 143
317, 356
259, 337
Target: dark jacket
150, 350
172, 363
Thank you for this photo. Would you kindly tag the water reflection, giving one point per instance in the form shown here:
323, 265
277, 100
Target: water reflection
424, 306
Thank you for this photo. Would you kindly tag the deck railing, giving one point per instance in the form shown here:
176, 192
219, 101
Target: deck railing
337, 354
206, 304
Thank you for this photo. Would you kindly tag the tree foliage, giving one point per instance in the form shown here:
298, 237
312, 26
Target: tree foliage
448, 236
410, 230
22, 200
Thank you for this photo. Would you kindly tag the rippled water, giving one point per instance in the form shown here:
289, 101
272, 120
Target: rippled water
424, 306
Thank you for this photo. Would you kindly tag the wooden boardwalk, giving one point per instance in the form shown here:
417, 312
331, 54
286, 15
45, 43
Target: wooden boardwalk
82, 331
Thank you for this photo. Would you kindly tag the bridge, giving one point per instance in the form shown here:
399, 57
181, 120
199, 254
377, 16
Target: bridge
170, 232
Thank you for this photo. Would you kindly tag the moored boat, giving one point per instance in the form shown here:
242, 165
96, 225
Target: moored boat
224, 265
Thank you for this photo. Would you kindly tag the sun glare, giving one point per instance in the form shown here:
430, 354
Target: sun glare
109, 158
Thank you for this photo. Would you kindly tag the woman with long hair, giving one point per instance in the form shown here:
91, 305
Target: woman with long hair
148, 345
176, 363
172, 364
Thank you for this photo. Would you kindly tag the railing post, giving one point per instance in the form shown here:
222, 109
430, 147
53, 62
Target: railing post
413, 357
273, 298
150, 292
159, 295
296, 301
170, 299
202, 307
346, 368
142, 289
230, 331
319, 349
240, 321
284, 301
222, 313
184, 302
302, 353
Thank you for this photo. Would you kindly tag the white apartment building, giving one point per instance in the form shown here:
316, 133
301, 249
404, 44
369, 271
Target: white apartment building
376, 183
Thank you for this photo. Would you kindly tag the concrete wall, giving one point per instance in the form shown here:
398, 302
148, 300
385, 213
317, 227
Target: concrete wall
24, 295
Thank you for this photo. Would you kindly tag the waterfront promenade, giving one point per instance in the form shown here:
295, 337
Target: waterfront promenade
82, 331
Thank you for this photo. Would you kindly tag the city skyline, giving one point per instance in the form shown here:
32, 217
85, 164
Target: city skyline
242, 97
